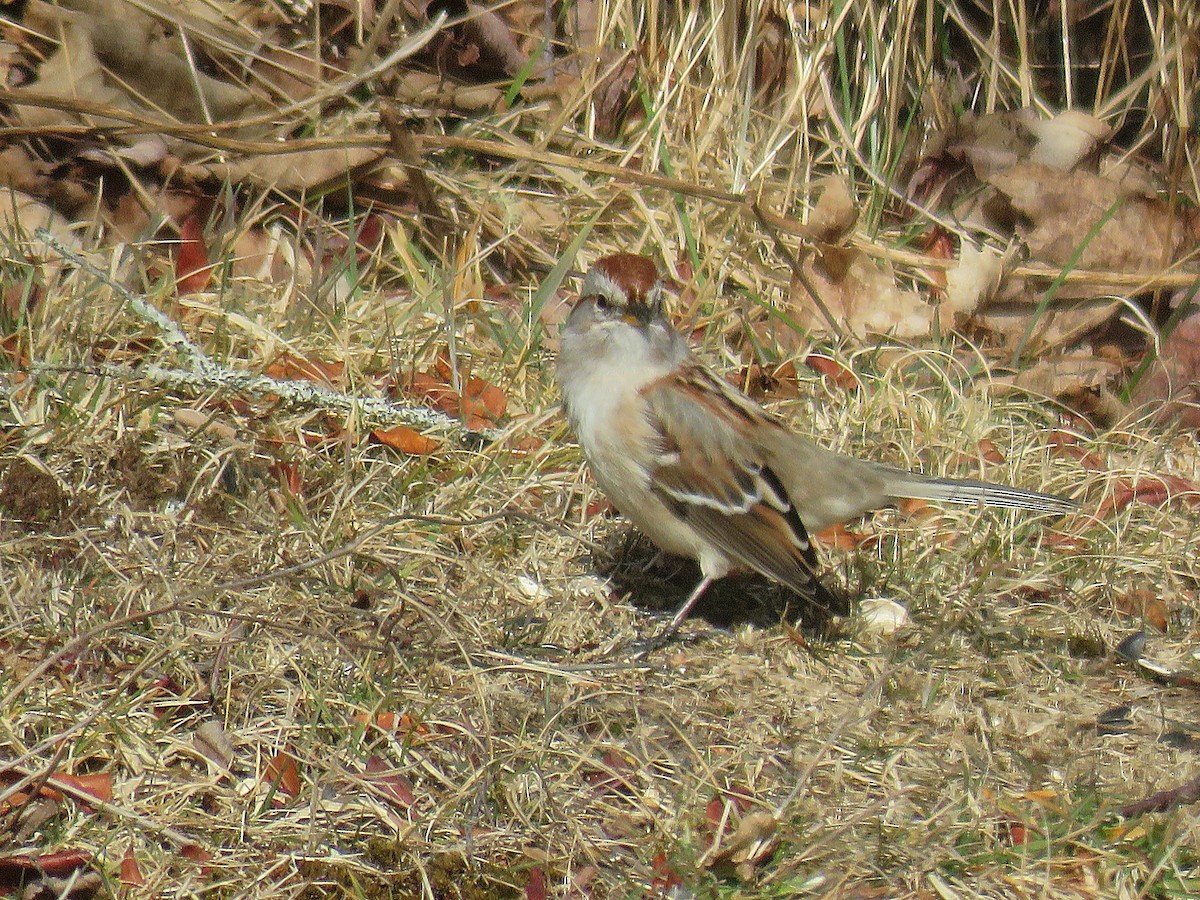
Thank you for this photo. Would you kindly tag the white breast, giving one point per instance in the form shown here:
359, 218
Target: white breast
602, 373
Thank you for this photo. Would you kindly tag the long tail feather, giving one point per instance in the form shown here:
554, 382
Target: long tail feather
908, 485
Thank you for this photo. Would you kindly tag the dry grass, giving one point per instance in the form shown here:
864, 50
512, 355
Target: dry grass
159, 575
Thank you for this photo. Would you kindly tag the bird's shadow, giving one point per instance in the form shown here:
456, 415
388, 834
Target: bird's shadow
660, 583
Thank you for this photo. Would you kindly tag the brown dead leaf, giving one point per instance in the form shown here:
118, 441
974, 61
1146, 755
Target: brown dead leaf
1142, 236
1067, 139
62, 862
406, 440
535, 885
997, 141
196, 854
1069, 375
130, 874
193, 270
22, 215
833, 217
287, 367
975, 280
1065, 444
211, 742
145, 61
860, 294
98, 784
303, 170
1155, 490
390, 782
283, 773
754, 840
836, 373
842, 538
1144, 604
1170, 388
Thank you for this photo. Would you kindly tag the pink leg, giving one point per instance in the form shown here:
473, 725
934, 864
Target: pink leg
688, 604
649, 646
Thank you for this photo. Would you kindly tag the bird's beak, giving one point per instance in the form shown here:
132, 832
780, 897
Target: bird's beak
638, 315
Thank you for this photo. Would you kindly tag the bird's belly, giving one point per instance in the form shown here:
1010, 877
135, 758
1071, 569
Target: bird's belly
627, 484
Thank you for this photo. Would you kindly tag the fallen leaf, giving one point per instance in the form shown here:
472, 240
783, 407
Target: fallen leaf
293, 368
98, 785
406, 440
842, 538
196, 854
130, 873
1155, 490
860, 295
211, 742
835, 212
835, 372
975, 280
283, 773
313, 170
1143, 235
391, 783
879, 615
1067, 139
1145, 605
754, 840
535, 884
192, 267
1170, 388
59, 863
1065, 444
666, 879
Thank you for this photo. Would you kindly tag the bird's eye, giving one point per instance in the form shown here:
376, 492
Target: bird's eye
602, 303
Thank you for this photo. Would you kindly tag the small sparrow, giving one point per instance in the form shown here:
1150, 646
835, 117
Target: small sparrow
699, 467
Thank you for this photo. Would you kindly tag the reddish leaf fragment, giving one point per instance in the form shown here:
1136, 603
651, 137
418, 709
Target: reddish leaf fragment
612, 774
391, 783
989, 453
1152, 489
131, 872
599, 507
1017, 833
196, 854
939, 244
1070, 543
1066, 444
58, 864
392, 723
1145, 605
843, 538
535, 884
835, 372
192, 267
433, 389
665, 877
99, 785
293, 368
291, 479
714, 811
283, 772
489, 397
580, 879
406, 440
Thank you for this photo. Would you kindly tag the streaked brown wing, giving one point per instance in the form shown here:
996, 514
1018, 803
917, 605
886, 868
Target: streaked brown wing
712, 473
